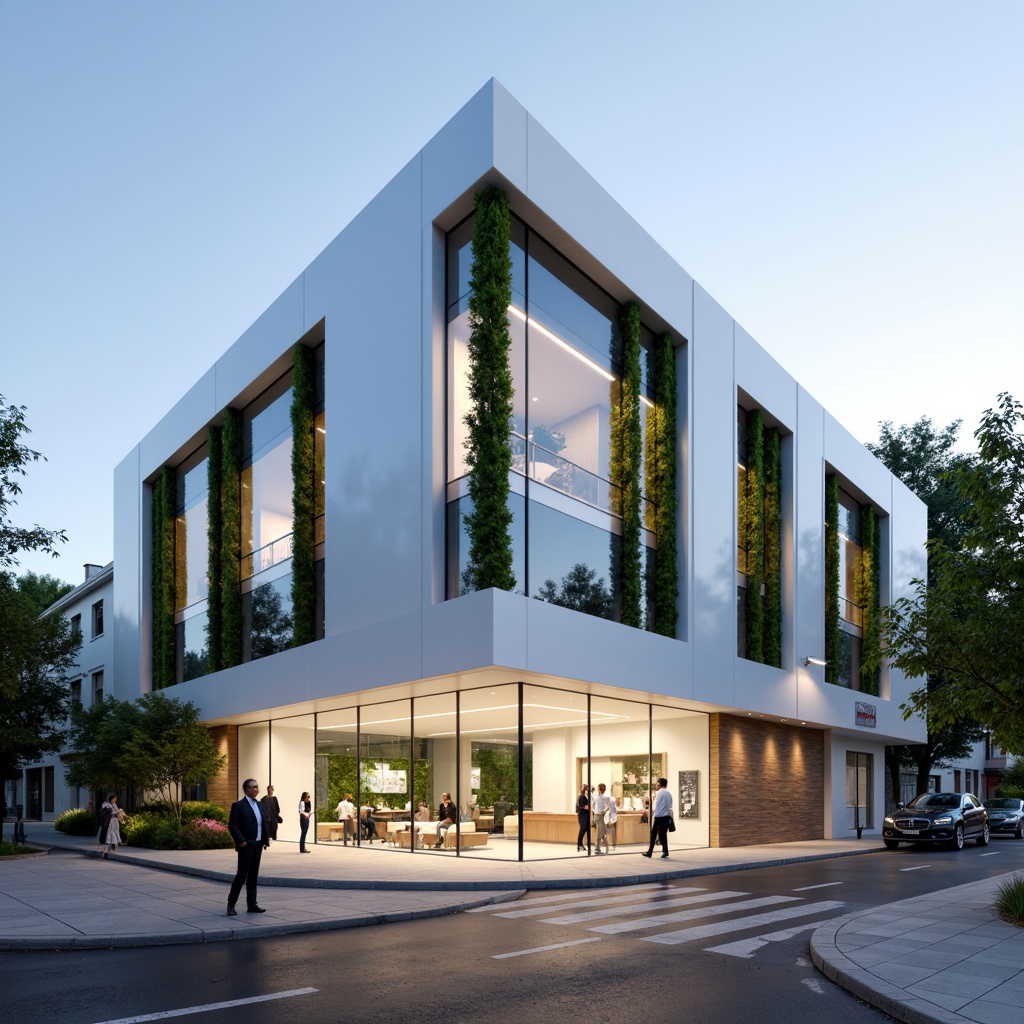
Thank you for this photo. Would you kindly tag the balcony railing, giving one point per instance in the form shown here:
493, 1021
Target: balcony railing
266, 557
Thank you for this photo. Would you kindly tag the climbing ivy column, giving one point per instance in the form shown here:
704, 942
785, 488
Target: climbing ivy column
754, 511
660, 467
214, 563
163, 578
303, 497
626, 450
490, 396
772, 548
231, 538
867, 583
832, 638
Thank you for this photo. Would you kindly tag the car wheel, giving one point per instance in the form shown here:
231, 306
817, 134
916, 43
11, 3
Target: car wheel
891, 844
983, 838
957, 842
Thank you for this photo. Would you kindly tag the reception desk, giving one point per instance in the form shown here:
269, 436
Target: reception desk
541, 827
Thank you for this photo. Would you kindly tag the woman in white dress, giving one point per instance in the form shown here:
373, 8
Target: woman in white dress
111, 817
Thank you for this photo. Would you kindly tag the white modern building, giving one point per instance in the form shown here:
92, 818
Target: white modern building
42, 790
313, 484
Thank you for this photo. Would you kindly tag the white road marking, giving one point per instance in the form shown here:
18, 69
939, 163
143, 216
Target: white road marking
755, 921
993, 854
690, 915
824, 885
563, 897
542, 949
597, 901
746, 948
920, 867
163, 1015
681, 901
813, 984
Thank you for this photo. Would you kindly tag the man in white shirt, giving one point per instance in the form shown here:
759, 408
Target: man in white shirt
611, 820
248, 828
599, 808
661, 817
346, 815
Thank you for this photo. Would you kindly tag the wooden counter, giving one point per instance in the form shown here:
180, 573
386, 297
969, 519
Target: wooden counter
541, 827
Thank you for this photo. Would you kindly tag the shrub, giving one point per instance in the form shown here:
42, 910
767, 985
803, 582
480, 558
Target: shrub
192, 809
1011, 791
76, 822
206, 834
1010, 900
9, 849
153, 831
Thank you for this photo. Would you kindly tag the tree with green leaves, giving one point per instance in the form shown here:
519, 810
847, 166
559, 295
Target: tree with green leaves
489, 419
963, 625
581, 590
925, 459
153, 744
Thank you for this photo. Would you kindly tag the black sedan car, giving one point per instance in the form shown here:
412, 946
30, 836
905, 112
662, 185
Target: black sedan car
1006, 816
950, 818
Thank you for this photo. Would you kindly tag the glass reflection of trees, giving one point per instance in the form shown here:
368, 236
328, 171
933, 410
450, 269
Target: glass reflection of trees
271, 619
579, 591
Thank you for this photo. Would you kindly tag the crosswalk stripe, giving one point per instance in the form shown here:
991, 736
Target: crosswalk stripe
565, 897
542, 949
823, 885
690, 915
594, 915
597, 901
723, 927
746, 948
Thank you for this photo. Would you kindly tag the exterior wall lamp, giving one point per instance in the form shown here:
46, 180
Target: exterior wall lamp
811, 660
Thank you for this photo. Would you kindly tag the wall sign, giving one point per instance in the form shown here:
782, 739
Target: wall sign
865, 716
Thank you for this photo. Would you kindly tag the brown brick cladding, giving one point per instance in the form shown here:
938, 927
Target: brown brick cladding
222, 789
767, 782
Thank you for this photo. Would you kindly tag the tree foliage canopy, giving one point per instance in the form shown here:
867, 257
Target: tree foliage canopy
964, 625
154, 743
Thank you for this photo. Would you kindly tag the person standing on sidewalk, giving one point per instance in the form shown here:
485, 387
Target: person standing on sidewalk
305, 813
271, 811
249, 830
661, 818
600, 809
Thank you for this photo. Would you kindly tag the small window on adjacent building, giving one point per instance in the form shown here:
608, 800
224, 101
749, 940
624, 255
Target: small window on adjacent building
97, 686
76, 625
76, 691
97, 619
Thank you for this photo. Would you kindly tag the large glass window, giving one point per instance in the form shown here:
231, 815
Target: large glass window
851, 614
566, 369
191, 553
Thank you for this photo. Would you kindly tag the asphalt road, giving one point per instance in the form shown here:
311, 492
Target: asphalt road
708, 950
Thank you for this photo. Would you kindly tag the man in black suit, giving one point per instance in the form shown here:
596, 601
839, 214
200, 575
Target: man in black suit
271, 811
251, 833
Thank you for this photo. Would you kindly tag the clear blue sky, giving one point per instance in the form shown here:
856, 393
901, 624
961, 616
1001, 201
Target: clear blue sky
845, 179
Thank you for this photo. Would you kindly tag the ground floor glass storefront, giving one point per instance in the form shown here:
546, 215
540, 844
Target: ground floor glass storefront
514, 758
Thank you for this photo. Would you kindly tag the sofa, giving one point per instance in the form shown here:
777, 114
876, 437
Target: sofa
426, 835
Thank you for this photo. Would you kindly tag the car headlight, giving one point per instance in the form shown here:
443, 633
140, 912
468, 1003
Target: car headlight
946, 819
888, 821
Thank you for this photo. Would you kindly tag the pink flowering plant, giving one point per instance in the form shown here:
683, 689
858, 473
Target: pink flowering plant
205, 834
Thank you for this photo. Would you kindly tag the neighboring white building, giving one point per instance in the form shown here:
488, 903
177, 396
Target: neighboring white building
42, 790
414, 686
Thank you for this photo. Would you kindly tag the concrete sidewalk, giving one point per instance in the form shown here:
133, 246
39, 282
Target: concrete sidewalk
941, 957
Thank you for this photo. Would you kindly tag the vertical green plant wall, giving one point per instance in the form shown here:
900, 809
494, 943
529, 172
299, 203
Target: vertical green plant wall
303, 497
489, 418
660, 468
214, 566
868, 583
626, 452
231, 538
832, 638
164, 501
754, 510
772, 548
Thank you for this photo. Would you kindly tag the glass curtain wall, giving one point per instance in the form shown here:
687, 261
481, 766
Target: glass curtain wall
191, 552
337, 770
293, 766
267, 522
385, 765
435, 729
566, 367
851, 614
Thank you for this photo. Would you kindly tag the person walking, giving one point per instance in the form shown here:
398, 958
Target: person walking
612, 821
583, 817
346, 811
111, 817
271, 811
600, 810
305, 813
249, 830
661, 819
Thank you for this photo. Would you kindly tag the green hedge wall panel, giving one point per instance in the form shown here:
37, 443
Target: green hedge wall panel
303, 497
